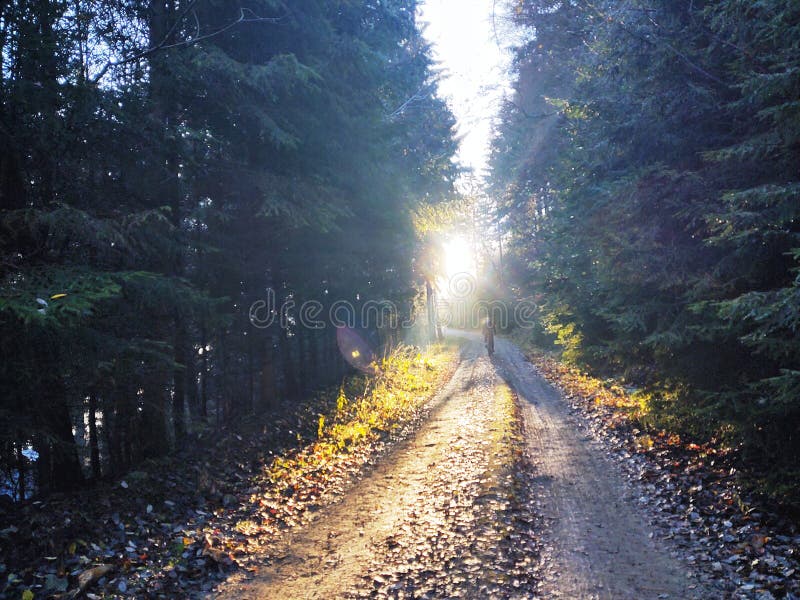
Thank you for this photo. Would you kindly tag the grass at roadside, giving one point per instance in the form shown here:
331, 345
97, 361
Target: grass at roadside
697, 481
634, 408
658, 420
367, 408
508, 501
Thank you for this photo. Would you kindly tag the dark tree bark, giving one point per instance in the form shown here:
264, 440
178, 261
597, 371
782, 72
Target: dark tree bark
268, 392
12, 190
179, 383
304, 376
161, 31
22, 470
59, 468
192, 389
153, 418
251, 375
112, 438
289, 377
203, 372
94, 445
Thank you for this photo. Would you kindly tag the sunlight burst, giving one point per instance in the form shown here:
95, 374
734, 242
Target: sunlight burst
458, 257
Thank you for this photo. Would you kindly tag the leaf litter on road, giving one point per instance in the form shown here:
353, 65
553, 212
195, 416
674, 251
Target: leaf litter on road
447, 515
691, 490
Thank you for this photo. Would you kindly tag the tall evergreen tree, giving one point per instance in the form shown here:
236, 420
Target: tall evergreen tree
647, 164
164, 165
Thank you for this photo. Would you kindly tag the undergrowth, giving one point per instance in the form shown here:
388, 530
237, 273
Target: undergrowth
653, 409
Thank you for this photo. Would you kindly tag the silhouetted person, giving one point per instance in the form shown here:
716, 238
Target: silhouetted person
488, 335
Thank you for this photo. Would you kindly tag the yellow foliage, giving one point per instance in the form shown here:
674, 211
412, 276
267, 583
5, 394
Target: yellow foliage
321, 427
367, 406
247, 527
644, 442
341, 400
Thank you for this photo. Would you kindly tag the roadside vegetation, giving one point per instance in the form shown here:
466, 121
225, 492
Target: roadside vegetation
177, 178
658, 419
366, 409
178, 525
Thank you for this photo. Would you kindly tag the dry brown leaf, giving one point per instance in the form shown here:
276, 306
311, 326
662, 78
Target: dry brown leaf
89, 576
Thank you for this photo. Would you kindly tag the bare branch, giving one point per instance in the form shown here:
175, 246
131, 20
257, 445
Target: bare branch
400, 109
163, 45
527, 115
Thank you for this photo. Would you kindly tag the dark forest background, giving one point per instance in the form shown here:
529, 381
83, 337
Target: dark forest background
162, 166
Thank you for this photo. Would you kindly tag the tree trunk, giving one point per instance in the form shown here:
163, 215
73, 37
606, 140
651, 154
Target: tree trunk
430, 299
161, 20
268, 379
223, 391
289, 378
111, 435
21, 472
60, 469
153, 417
316, 357
179, 384
304, 376
204, 372
192, 392
251, 383
94, 446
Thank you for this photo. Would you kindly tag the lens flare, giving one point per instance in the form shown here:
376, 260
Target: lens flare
355, 350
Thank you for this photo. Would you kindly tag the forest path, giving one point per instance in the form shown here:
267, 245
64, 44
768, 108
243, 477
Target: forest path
597, 543
445, 515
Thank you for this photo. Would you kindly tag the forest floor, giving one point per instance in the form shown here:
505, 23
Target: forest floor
494, 498
504, 479
731, 543
177, 526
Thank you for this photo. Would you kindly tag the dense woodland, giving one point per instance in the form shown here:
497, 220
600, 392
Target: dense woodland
648, 170
162, 166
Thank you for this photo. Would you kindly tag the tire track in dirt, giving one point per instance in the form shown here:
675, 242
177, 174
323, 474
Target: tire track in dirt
449, 514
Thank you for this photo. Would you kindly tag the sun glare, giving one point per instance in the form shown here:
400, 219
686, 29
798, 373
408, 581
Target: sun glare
458, 257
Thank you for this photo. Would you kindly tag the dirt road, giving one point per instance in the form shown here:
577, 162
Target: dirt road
457, 511
597, 543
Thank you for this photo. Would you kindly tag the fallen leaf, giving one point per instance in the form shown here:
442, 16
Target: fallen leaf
218, 556
89, 576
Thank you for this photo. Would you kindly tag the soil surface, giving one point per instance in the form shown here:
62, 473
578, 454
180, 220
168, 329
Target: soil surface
442, 516
469, 508
597, 542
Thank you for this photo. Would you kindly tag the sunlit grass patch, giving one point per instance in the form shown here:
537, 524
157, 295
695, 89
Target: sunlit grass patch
369, 406
658, 415
601, 392
503, 431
